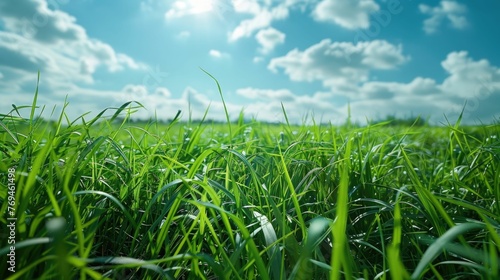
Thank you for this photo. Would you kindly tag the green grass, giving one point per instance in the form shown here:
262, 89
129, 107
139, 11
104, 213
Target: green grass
101, 199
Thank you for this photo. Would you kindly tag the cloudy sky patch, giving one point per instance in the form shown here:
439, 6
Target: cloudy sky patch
315, 57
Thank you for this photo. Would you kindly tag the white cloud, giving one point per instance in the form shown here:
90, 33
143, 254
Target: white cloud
215, 53
162, 92
136, 91
267, 105
88, 65
35, 38
375, 99
252, 93
269, 38
339, 64
344, 69
419, 86
181, 8
54, 43
154, 99
350, 14
400, 107
218, 54
158, 102
68, 59
261, 19
474, 81
247, 6
466, 75
450, 10
262, 13
198, 103
35, 20
29, 56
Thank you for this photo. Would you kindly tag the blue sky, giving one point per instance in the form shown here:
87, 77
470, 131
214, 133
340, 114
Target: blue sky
403, 58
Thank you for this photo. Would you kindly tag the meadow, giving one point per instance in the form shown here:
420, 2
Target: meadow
108, 198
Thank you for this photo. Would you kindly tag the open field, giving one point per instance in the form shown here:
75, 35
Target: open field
101, 199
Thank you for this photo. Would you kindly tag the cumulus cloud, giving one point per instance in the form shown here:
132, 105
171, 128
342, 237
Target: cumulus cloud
447, 10
247, 6
262, 18
162, 92
158, 102
339, 64
467, 76
136, 91
152, 97
68, 59
267, 105
269, 38
267, 94
38, 38
255, 16
35, 37
34, 19
475, 82
215, 53
218, 54
263, 14
28, 57
400, 107
419, 86
350, 14
344, 69
182, 8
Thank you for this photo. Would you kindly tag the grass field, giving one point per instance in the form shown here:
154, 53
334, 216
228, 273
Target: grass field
101, 199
